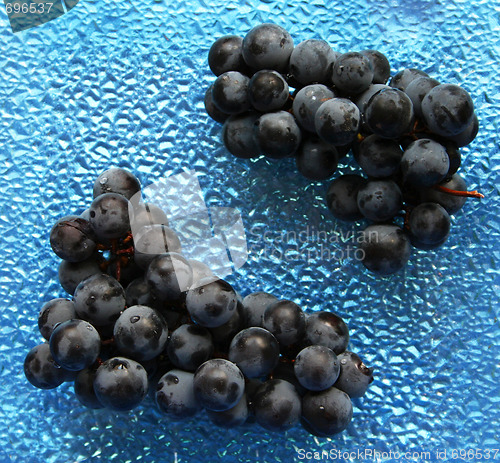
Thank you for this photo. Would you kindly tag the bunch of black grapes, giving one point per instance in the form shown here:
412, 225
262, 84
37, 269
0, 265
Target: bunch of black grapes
316, 105
143, 319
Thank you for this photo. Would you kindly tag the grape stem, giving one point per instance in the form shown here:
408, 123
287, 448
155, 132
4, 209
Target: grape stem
467, 194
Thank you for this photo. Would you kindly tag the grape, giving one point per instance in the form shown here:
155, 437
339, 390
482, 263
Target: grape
235, 416
99, 299
352, 73
151, 241
109, 216
237, 135
75, 344
230, 92
317, 367
54, 312
468, 134
429, 224
190, 346
417, 89
116, 180
385, 249
363, 98
211, 304
41, 370
380, 200
226, 55
140, 333
312, 61
268, 91
327, 412
451, 203
224, 334
277, 134
285, 371
175, 394
138, 292
70, 274
337, 121
215, 113
145, 214
277, 405
342, 194
169, 275
355, 376
424, 163
120, 384
327, 329
72, 239
316, 159
218, 384
84, 388
378, 157
307, 101
254, 306
389, 124
403, 78
255, 351
286, 321
447, 109
380, 65
267, 46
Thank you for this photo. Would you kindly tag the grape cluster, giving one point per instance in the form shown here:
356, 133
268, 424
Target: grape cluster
316, 104
144, 320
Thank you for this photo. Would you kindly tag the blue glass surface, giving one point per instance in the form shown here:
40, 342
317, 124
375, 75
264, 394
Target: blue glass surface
122, 83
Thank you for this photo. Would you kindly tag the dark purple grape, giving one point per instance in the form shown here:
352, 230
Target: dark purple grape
447, 109
84, 388
380, 200
109, 217
327, 329
190, 346
41, 370
268, 91
417, 89
393, 123
169, 276
429, 224
307, 101
277, 134
380, 64
75, 344
138, 292
424, 163
145, 214
312, 61
378, 157
316, 367
71, 274
233, 417
277, 405
267, 46
72, 239
468, 134
385, 249
213, 111
316, 159
117, 180
151, 241
211, 304
337, 121
175, 395
403, 78
230, 92
226, 55
54, 312
218, 384
286, 321
255, 351
99, 299
355, 376
342, 195
254, 306
450, 202
352, 73
238, 135
224, 334
121, 384
327, 412
140, 333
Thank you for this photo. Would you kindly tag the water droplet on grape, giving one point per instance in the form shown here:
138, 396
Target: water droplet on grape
134, 319
104, 180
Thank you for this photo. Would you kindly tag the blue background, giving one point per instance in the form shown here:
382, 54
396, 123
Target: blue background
122, 83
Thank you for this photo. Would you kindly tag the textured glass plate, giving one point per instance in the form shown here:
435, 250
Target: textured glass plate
122, 83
